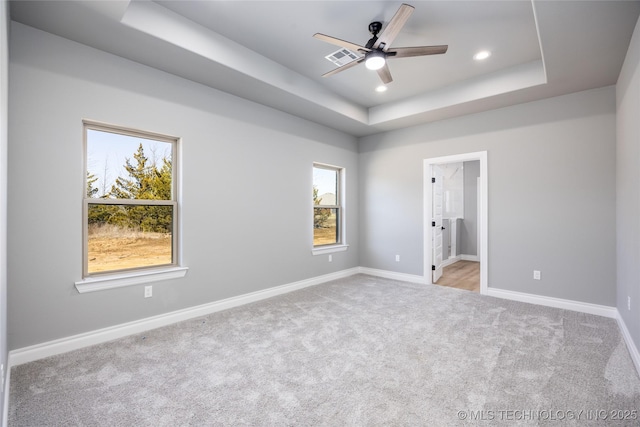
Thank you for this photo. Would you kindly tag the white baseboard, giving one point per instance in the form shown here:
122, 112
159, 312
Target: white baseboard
392, 275
63, 345
583, 307
470, 258
631, 346
451, 260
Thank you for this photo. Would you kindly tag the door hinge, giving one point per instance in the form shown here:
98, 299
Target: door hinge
433, 180
433, 267
433, 223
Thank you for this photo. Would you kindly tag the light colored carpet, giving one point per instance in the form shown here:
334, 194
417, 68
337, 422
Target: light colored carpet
356, 351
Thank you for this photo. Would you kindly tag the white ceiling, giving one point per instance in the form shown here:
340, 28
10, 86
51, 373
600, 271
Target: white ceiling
264, 51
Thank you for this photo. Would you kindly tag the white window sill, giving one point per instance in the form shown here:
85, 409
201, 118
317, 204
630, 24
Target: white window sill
119, 280
329, 249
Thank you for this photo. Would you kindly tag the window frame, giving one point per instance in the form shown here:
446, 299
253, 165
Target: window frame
341, 244
128, 276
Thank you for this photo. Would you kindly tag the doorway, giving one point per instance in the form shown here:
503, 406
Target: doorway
461, 274
435, 224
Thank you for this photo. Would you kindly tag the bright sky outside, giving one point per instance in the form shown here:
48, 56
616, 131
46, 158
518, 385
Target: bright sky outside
324, 180
108, 152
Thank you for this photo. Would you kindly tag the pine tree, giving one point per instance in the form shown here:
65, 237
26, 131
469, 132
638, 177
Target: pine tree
97, 214
91, 190
145, 182
137, 185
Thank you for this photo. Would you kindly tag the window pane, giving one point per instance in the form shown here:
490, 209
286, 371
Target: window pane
128, 167
325, 186
325, 226
129, 236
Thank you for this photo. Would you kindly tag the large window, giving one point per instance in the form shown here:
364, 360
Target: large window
327, 206
130, 203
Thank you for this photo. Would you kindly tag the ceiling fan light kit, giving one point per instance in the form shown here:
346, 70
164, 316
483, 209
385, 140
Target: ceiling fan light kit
374, 60
377, 50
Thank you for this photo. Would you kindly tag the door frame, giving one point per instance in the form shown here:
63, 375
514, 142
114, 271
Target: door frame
483, 220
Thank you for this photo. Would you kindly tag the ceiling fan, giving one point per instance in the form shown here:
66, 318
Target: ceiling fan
377, 50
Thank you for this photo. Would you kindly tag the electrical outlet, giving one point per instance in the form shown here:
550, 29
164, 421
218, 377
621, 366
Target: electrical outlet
330, 258
148, 291
628, 303
397, 258
536, 274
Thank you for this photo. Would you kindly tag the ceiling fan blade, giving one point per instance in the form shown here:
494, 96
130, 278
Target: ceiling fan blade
385, 74
406, 52
342, 43
393, 27
344, 67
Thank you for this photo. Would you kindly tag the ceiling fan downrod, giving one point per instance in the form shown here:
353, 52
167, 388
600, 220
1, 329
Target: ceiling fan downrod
374, 29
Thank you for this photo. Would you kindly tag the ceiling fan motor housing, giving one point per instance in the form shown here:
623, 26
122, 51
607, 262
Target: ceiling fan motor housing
375, 27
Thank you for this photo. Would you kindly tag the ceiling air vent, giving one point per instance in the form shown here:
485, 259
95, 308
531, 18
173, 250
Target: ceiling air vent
342, 57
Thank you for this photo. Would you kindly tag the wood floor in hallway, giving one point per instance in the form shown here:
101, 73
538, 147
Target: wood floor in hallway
461, 275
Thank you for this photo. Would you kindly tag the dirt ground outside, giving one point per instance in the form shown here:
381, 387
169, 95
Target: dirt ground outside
107, 253
325, 235
116, 249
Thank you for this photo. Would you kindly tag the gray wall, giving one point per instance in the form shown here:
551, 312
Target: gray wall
246, 187
628, 188
551, 176
469, 231
4, 99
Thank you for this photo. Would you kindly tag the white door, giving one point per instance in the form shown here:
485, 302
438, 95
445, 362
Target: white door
479, 217
437, 222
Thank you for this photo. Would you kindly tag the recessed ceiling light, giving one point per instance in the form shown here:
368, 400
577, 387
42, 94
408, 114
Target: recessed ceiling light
483, 54
381, 88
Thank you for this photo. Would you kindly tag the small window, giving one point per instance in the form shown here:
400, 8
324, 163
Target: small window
327, 206
130, 203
